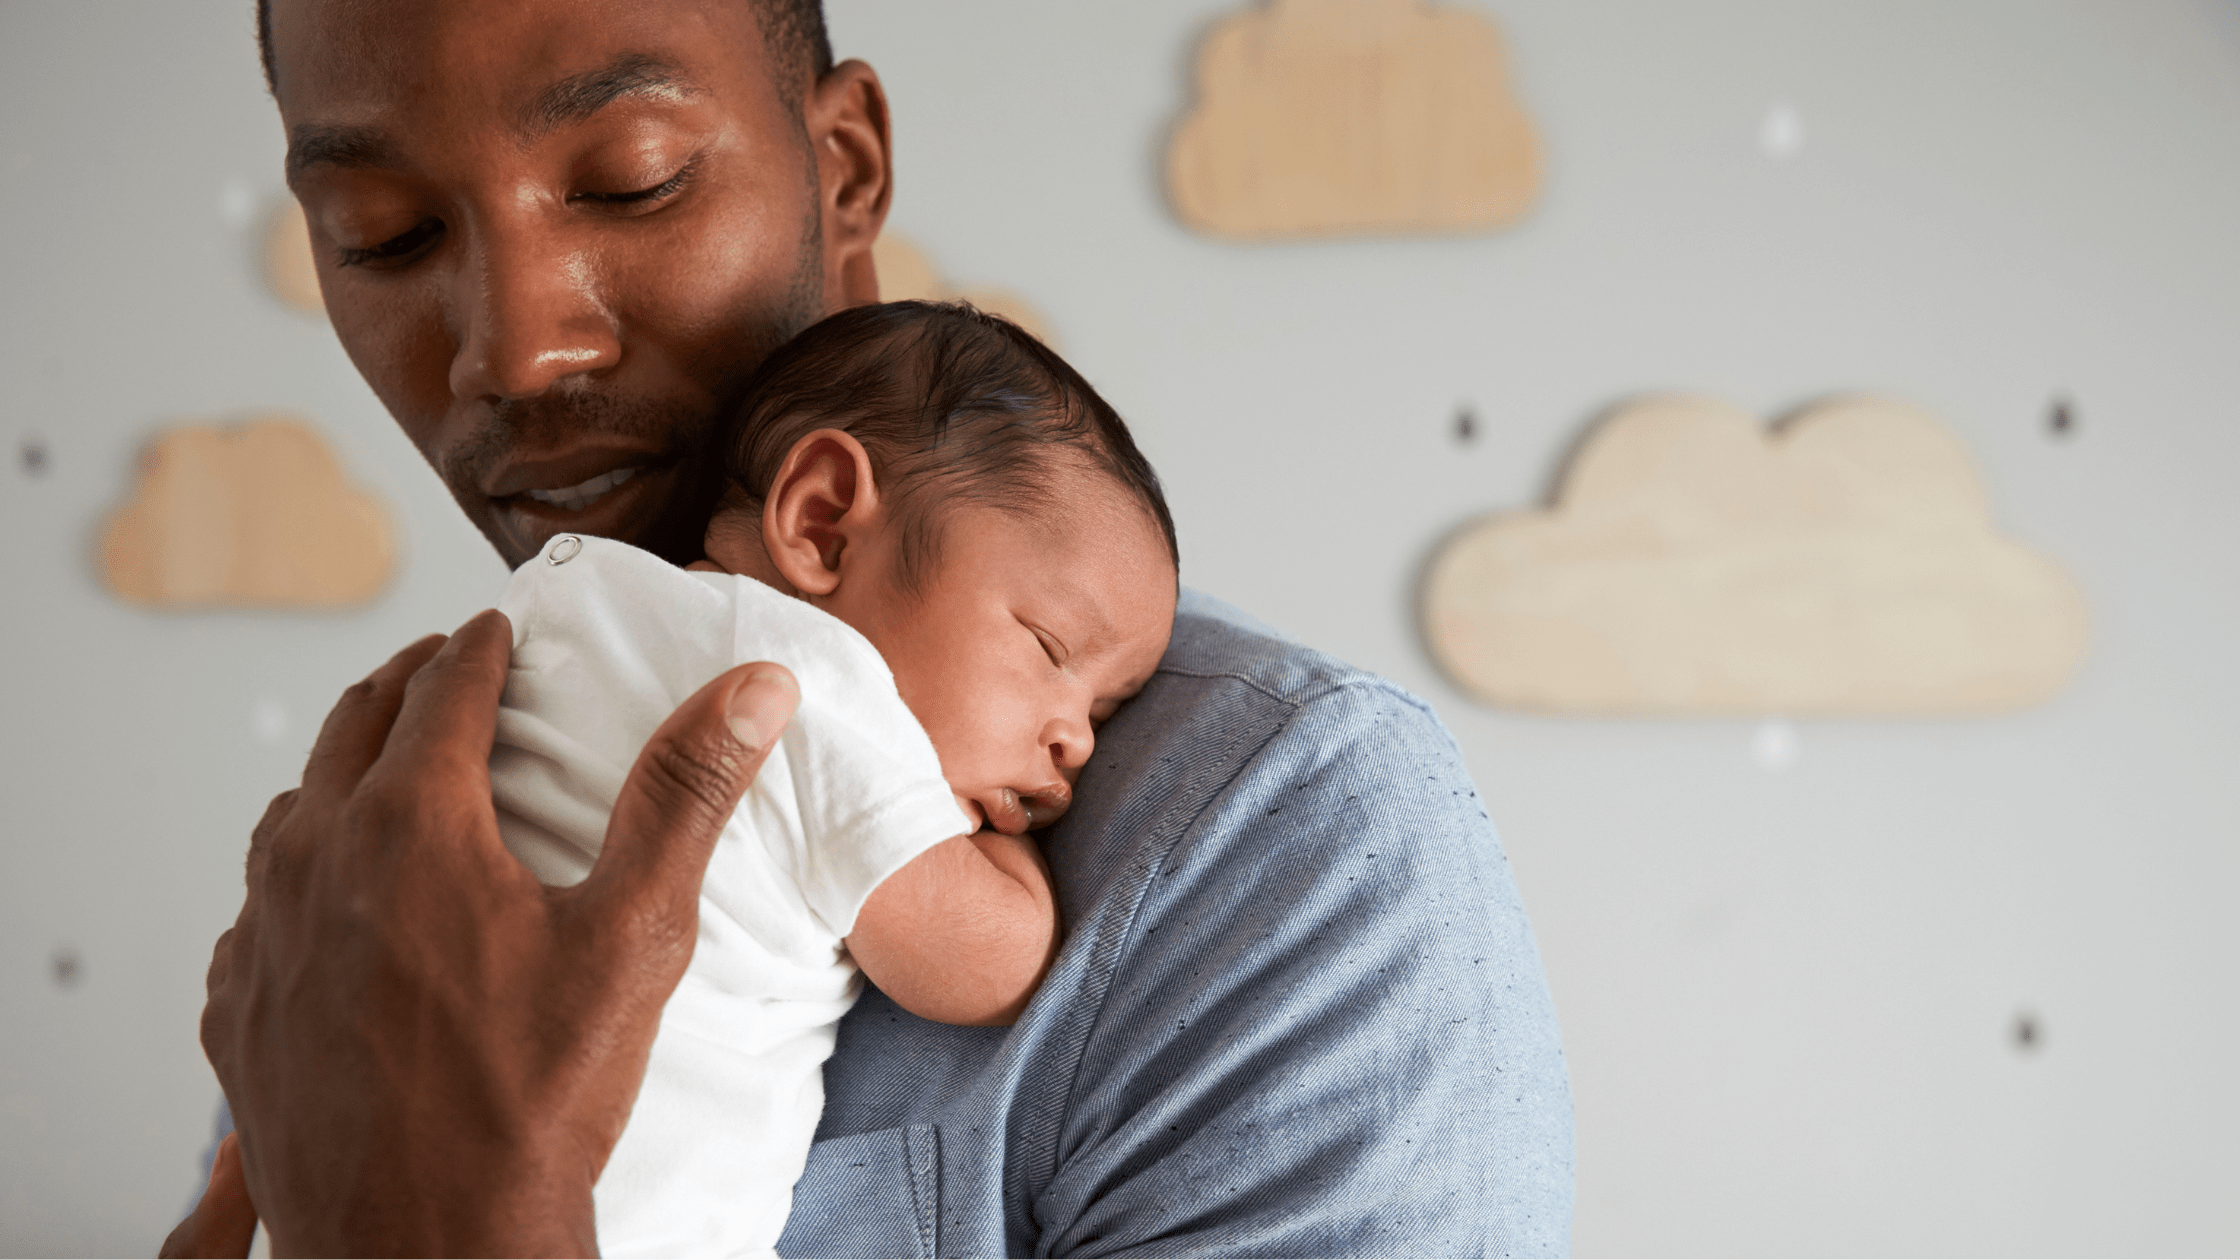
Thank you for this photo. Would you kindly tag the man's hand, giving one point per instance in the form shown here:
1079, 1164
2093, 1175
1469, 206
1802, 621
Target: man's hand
427, 1051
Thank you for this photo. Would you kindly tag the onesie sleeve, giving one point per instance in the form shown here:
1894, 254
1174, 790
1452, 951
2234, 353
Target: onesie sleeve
865, 779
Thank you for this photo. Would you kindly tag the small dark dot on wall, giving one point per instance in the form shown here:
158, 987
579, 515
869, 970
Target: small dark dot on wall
2028, 1034
2061, 418
68, 968
33, 453
1465, 425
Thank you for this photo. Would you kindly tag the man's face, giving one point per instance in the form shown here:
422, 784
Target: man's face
557, 235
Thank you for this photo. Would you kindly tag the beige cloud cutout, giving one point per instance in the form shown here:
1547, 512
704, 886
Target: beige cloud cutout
906, 274
1696, 563
1337, 117
255, 514
290, 271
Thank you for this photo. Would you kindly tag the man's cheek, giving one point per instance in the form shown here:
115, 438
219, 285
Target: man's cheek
739, 280
402, 349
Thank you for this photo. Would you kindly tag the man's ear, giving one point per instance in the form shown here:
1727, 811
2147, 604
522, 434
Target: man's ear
822, 503
846, 117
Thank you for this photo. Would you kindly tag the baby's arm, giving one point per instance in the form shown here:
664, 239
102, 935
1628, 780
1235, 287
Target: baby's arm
964, 933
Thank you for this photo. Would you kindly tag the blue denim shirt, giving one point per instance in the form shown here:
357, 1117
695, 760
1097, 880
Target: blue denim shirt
1298, 1011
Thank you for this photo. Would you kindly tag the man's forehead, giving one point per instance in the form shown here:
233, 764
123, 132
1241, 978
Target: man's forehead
525, 65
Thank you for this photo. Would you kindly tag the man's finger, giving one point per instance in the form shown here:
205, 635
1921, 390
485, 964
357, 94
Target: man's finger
224, 1222
216, 1026
261, 837
221, 960
683, 788
450, 710
358, 725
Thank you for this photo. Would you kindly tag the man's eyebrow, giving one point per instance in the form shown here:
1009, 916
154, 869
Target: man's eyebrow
570, 100
312, 145
579, 96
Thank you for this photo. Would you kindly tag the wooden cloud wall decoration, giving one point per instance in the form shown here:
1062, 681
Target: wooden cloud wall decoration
1696, 563
290, 270
1341, 117
249, 515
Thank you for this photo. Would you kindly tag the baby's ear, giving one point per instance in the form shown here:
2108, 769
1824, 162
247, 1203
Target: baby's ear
822, 499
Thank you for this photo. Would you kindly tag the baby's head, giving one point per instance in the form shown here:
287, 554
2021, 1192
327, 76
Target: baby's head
943, 483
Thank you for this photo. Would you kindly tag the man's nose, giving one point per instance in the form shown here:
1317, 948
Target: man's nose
529, 314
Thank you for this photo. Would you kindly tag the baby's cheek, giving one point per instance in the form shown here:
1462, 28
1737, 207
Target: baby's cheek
956, 738
980, 724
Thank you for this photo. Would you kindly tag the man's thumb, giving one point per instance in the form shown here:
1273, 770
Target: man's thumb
687, 780
224, 1223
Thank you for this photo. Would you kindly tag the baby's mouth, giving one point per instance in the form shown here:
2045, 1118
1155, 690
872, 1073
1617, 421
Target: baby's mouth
1008, 811
1047, 806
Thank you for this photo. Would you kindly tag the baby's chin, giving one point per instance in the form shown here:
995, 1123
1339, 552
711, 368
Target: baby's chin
1004, 810
972, 811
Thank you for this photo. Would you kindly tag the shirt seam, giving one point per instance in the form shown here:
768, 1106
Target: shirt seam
1323, 689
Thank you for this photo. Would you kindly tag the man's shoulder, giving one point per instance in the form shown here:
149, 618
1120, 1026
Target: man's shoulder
1283, 895
1245, 739
1216, 641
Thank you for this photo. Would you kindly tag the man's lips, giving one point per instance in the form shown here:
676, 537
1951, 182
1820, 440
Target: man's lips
583, 494
568, 471
610, 505
601, 504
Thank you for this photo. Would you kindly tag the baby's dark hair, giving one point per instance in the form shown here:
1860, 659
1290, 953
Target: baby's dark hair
950, 403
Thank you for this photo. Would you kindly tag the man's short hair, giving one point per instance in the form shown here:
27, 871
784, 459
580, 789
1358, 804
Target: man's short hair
952, 405
793, 31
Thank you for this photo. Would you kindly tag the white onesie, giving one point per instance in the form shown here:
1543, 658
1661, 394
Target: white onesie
607, 641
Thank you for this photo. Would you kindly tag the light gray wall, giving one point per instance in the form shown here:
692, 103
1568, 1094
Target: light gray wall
1788, 994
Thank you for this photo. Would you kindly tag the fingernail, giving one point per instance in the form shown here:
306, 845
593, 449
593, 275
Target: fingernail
751, 723
744, 726
774, 675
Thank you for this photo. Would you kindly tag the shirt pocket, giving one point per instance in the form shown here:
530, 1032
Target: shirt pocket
868, 1194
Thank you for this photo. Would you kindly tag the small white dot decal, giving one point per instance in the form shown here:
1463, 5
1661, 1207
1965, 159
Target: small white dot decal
1774, 744
268, 718
1781, 132
237, 202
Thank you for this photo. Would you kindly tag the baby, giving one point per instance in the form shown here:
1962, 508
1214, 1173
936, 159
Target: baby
955, 546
